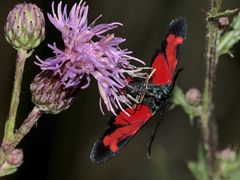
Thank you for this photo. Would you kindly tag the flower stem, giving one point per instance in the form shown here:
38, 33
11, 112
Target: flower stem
6, 149
29, 122
208, 121
22, 55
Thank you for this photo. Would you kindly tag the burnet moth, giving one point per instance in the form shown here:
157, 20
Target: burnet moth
155, 93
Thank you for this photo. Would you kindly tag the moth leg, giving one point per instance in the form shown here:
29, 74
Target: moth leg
152, 137
134, 99
148, 77
139, 98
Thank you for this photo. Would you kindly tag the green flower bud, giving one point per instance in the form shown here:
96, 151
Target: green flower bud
50, 95
25, 26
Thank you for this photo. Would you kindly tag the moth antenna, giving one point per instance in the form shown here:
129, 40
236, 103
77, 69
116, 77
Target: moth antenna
152, 137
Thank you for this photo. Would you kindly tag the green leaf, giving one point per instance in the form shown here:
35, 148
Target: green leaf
229, 38
8, 170
228, 165
200, 168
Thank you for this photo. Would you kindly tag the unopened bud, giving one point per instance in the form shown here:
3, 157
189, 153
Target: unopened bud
25, 26
228, 154
223, 21
193, 96
50, 95
15, 158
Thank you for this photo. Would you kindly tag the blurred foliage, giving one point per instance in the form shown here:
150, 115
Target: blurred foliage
228, 166
227, 162
180, 100
230, 37
199, 168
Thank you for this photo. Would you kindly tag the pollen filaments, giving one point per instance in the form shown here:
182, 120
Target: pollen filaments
49, 95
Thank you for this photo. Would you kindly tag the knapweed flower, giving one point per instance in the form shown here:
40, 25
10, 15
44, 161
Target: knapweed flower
90, 51
25, 26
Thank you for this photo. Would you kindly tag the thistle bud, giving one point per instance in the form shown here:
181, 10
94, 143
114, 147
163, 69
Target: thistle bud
228, 154
223, 22
15, 158
50, 95
193, 96
25, 26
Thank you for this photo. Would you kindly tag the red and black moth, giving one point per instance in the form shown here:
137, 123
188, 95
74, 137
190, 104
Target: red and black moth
156, 96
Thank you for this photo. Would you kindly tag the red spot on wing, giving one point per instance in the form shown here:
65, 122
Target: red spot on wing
130, 125
165, 67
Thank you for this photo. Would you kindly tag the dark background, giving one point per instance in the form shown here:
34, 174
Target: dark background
58, 147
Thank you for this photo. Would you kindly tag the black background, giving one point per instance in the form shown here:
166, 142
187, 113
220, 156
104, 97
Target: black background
58, 147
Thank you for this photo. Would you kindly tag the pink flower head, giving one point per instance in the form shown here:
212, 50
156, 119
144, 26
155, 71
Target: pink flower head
102, 57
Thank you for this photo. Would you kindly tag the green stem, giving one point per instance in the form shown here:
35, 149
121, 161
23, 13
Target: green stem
29, 122
226, 13
208, 121
22, 55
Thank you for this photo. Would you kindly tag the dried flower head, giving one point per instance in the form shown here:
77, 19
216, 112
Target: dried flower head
25, 26
83, 56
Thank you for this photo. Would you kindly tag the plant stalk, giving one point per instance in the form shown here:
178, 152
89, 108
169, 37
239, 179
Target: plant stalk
207, 117
22, 55
28, 123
